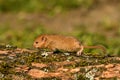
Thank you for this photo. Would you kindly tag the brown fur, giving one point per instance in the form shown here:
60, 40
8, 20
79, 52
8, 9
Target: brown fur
59, 42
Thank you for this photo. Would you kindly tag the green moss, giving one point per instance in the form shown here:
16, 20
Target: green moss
2, 46
6, 68
79, 76
53, 78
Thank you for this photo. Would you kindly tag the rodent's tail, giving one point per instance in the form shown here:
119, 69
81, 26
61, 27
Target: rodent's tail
97, 47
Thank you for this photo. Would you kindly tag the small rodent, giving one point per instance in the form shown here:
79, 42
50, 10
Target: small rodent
63, 43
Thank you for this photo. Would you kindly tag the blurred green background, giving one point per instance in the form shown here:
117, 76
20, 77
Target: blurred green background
92, 21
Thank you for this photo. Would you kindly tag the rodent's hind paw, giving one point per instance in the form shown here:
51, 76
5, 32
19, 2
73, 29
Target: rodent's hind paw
79, 53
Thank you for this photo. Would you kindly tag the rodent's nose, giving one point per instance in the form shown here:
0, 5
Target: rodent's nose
34, 45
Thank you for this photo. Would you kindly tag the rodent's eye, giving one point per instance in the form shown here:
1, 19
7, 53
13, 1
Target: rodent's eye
36, 42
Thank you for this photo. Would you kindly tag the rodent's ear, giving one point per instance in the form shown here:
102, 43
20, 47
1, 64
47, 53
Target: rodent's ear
43, 38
